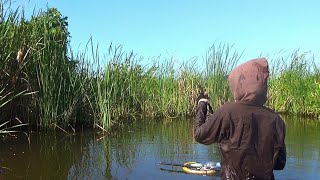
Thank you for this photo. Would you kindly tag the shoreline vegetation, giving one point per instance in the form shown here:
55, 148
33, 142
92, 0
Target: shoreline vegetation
45, 85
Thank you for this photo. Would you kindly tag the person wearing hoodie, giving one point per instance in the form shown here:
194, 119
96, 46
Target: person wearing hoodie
251, 136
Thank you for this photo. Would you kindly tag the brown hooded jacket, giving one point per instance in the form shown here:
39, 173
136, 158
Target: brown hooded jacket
251, 137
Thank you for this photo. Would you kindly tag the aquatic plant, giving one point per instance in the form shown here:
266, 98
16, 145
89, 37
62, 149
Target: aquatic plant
5, 129
294, 85
45, 68
220, 60
49, 86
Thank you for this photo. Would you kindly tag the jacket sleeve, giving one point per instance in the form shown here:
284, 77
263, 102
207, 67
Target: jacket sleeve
281, 159
281, 154
211, 130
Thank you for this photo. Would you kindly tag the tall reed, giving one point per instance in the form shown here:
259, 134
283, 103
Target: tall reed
295, 84
15, 91
54, 87
220, 60
45, 67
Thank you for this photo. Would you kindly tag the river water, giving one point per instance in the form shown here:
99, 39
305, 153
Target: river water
135, 151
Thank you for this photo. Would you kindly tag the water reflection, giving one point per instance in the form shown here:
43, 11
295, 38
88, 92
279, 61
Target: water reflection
303, 147
42, 156
134, 152
94, 162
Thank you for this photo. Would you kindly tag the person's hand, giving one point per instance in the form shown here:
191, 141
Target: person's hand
204, 97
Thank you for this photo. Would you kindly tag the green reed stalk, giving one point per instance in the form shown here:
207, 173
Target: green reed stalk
44, 67
219, 62
15, 89
53, 87
294, 86
57, 81
187, 87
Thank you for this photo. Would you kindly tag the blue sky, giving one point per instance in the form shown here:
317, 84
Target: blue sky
187, 28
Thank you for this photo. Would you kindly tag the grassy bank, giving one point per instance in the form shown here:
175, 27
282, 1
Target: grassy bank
43, 83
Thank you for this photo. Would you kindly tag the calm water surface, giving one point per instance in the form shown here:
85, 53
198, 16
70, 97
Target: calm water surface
134, 153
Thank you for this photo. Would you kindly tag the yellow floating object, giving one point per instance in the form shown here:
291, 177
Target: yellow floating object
201, 171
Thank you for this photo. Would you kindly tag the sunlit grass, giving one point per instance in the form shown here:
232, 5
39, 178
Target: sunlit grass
294, 85
49, 86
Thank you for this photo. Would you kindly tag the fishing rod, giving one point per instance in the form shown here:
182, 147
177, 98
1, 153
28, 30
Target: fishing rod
196, 165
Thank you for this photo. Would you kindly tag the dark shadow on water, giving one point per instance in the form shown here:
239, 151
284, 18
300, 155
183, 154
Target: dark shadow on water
48, 156
134, 151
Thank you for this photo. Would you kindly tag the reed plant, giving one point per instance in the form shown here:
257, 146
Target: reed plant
15, 88
44, 71
294, 84
114, 92
55, 88
220, 60
162, 93
54, 75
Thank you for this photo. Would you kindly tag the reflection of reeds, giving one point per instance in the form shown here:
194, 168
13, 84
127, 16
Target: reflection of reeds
302, 137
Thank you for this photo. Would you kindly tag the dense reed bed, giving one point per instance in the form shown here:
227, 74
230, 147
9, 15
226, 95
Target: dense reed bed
43, 83
295, 84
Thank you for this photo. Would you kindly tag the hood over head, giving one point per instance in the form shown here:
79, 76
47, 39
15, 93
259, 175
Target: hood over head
249, 81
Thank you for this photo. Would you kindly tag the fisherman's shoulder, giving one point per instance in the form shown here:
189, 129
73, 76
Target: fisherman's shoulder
231, 104
228, 106
274, 115
271, 111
